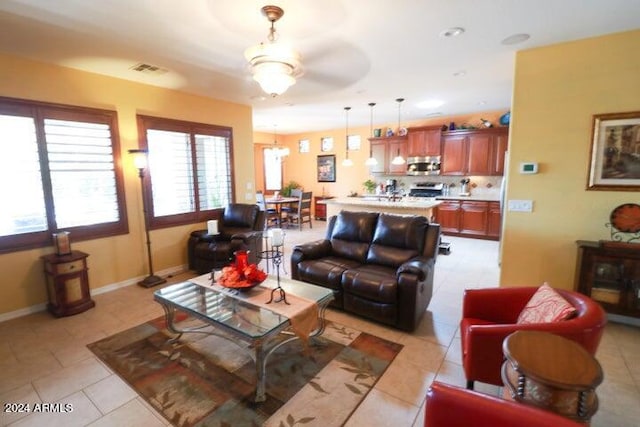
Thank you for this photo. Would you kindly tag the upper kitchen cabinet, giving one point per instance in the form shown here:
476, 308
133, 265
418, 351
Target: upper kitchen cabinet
384, 150
474, 152
424, 141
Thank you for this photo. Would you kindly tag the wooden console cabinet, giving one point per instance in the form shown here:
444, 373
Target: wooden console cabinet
320, 209
67, 283
609, 272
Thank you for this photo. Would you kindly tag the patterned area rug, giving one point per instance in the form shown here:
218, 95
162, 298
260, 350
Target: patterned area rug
209, 381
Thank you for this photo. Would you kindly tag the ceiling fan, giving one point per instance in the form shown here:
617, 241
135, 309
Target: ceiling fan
274, 65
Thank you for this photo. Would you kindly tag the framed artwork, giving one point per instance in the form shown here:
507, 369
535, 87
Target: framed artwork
326, 143
353, 142
303, 146
615, 152
327, 168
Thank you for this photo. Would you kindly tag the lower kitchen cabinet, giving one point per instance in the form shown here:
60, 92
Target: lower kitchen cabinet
479, 219
494, 221
473, 218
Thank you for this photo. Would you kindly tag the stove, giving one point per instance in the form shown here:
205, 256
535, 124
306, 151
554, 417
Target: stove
426, 189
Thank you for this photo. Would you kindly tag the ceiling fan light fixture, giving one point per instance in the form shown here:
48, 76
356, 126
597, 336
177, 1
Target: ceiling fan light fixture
274, 65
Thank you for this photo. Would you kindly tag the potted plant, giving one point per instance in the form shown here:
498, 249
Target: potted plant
286, 190
370, 186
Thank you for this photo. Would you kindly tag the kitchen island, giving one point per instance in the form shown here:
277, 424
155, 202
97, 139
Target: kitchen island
404, 206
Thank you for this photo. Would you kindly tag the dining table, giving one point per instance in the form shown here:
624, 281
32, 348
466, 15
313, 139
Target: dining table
278, 202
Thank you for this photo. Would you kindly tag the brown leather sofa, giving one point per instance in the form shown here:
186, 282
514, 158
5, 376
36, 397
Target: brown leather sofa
380, 266
240, 228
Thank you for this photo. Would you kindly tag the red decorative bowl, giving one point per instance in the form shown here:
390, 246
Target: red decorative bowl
240, 285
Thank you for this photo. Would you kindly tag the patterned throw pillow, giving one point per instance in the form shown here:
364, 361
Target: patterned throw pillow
545, 306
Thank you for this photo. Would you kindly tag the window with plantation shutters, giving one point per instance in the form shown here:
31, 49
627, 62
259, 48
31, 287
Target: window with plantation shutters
58, 165
189, 172
82, 168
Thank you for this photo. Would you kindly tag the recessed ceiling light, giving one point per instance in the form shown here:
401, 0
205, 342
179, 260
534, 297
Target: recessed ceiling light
482, 102
430, 103
460, 73
515, 39
452, 32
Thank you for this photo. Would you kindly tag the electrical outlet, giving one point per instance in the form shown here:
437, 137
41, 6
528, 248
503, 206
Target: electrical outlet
520, 205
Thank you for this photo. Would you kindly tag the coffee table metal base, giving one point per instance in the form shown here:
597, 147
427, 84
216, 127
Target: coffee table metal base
262, 347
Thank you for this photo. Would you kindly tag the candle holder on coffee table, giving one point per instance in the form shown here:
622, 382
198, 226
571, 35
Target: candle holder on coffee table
277, 260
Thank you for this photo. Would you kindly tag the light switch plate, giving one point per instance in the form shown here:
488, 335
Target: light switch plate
520, 205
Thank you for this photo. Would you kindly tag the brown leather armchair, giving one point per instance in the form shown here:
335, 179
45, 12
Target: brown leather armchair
490, 315
240, 227
449, 406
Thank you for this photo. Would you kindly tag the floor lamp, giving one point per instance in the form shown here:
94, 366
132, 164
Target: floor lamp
140, 162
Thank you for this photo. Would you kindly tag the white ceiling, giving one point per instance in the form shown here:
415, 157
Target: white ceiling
354, 51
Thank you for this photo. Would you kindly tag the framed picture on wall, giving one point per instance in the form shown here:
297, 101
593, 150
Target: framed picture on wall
327, 168
615, 152
353, 142
303, 146
326, 143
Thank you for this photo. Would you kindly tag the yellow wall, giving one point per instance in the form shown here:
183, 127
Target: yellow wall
301, 167
117, 259
557, 91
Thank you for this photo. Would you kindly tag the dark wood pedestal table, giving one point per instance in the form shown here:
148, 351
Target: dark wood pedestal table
551, 372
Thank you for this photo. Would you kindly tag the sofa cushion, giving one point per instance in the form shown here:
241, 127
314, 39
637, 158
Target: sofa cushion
352, 234
546, 305
325, 271
397, 239
375, 283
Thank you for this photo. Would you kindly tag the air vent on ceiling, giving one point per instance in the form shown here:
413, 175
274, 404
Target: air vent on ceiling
148, 69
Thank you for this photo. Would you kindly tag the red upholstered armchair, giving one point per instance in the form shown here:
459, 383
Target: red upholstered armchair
490, 315
450, 406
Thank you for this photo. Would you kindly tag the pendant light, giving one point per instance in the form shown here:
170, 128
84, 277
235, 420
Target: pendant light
347, 161
398, 160
279, 153
371, 161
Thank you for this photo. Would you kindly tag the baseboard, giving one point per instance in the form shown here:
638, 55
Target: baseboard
167, 272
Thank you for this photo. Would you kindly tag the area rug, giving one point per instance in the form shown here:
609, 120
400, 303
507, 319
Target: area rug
209, 381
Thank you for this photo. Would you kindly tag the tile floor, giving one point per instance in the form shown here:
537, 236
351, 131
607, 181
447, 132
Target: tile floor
43, 359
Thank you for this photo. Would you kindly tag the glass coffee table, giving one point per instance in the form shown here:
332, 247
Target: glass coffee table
234, 318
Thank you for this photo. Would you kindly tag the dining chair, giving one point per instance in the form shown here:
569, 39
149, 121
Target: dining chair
292, 208
271, 215
303, 213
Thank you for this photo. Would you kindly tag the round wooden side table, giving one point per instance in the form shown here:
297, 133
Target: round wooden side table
551, 372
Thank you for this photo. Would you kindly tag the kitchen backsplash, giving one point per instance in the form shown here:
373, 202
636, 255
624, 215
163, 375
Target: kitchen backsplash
480, 185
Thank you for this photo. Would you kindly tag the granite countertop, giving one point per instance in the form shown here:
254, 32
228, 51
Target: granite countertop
472, 197
374, 201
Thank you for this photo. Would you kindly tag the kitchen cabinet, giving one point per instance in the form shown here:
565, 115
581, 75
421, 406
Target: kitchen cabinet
384, 150
478, 219
424, 141
609, 272
473, 218
67, 283
474, 152
494, 221
448, 216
